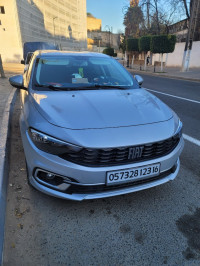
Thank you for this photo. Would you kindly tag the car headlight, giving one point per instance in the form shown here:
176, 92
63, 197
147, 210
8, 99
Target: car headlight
50, 144
178, 132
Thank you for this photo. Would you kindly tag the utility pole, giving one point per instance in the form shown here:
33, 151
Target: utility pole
109, 30
190, 34
111, 37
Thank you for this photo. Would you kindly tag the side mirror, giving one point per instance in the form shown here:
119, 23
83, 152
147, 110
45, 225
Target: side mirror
139, 79
22, 62
17, 81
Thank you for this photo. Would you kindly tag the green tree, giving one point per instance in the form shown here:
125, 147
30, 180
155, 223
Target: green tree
132, 44
144, 43
162, 44
133, 21
144, 46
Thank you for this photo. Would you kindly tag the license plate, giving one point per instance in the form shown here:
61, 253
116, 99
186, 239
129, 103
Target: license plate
128, 175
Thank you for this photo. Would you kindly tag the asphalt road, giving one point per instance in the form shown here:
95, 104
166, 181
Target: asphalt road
188, 111
159, 226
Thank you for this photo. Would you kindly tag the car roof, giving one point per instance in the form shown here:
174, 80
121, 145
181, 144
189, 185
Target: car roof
58, 53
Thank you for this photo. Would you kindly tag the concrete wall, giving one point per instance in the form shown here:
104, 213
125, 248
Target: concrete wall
175, 59
95, 48
10, 34
63, 22
195, 55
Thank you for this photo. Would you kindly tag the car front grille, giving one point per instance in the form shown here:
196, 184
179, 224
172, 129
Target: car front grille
120, 156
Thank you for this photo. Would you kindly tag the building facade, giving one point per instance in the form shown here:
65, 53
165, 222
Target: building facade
180, 29
63, 22
106, 38
93, 24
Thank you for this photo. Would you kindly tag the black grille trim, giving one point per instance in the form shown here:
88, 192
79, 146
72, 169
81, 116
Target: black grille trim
103, 188
119, 156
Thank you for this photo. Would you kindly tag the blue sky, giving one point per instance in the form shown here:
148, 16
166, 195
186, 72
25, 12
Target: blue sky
110, 11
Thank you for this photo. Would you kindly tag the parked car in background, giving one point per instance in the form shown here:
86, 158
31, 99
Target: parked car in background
30, 47
26, 62
90, 131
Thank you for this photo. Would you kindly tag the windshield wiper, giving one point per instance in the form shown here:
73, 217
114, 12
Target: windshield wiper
52, 87
109, 86
95, 86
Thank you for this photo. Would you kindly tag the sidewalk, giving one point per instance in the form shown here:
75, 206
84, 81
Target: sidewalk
7, 99
13, 68
171, 72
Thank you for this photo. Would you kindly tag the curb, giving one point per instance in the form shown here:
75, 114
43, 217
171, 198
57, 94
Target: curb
162, 75
4, 165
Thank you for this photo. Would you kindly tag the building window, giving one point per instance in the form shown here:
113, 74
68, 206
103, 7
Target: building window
0, 22
2, 10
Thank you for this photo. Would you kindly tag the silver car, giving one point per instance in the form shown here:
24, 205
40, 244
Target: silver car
90, 131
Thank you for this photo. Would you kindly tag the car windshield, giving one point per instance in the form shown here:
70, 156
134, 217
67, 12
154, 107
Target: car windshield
76, 72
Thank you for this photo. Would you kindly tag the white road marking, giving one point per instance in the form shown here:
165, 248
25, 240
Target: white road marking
185, 99
190, 139
193, 140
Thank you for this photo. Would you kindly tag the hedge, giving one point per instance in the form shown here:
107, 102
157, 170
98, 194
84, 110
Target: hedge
163, 44
144, 43
109, 51
132, 44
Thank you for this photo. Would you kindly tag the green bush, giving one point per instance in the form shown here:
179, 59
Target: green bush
172, 43
132, 44
163, 44
144, 43
109, 51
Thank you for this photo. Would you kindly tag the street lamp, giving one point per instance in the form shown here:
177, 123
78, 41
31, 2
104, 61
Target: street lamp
54, 30
109, 30
98, 40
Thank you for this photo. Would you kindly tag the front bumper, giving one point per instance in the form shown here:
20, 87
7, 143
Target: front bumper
92, 177
163, 178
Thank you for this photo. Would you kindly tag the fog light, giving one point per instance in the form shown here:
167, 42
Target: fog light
53, 180
50, 176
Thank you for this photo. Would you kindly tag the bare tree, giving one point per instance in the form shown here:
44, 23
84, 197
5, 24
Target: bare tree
157, 17
186, 8
153, 11
159, 14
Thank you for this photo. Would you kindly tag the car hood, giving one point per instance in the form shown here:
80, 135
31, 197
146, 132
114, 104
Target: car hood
97, 109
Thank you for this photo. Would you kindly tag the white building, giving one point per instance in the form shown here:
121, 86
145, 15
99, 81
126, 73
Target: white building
63, 22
